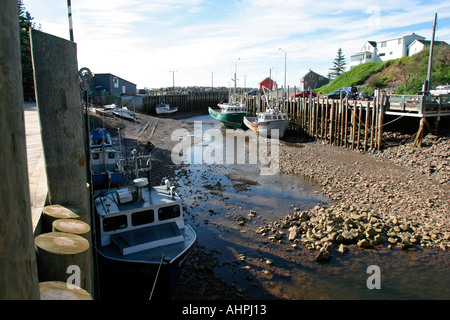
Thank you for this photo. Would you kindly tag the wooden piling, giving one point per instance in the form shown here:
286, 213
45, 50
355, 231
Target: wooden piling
72, 226
18, 271
54, 212
58, 290
62, 127
57, 251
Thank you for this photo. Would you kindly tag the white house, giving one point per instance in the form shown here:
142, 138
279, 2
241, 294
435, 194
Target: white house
384, 50
418, 45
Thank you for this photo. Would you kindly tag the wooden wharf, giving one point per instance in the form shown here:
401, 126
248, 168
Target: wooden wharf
355, 124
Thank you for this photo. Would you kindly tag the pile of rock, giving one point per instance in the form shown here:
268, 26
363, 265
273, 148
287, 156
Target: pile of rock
326, 227
432, 160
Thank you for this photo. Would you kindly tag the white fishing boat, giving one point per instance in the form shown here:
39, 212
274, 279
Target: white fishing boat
164, 108
142, 240
266, 122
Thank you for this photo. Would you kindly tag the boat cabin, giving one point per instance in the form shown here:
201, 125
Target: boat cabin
133, 220
103, 159
271, 116
233, 108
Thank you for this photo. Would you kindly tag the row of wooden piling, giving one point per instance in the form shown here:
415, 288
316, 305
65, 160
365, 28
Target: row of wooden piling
62, 251
341, 122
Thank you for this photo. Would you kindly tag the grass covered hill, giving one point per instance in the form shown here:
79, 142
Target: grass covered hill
401, 76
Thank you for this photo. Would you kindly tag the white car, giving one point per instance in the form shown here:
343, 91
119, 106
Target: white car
445, 89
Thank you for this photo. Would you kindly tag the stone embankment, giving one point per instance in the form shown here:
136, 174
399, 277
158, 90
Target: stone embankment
399, 196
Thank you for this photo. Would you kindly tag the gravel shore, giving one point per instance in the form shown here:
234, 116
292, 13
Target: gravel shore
399, 195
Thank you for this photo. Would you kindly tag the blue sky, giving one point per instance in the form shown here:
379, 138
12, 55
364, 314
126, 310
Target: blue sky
200, 41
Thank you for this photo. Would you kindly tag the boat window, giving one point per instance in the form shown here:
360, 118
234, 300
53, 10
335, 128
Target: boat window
170, 212
111, 155
142, 217
95, 156
115, 223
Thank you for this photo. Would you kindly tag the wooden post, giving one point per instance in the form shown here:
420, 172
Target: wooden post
345, 122
372, 126
51, 213
359, 125
366, 126
353, 125
62, 127
58, 290
72, 226
380, 122
332, 122
18, 271
57, 251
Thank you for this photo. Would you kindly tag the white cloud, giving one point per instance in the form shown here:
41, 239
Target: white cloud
144, 40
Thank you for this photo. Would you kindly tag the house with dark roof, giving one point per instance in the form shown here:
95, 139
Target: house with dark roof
312, 80
113, 84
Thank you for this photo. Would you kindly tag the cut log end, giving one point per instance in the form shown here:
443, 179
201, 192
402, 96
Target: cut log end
58, 290
60, 212
71, 226
61, 243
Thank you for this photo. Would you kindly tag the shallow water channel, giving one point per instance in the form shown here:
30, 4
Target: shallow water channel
219, 195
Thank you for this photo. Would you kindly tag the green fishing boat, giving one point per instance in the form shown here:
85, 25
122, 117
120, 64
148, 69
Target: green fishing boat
230, 114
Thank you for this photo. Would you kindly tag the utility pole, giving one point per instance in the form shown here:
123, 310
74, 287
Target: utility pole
427, 84
285, 59
69, 14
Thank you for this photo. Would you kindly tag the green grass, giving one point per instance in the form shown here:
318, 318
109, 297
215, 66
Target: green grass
355, 76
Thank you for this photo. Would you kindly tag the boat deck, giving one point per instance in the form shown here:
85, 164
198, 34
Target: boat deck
155, 255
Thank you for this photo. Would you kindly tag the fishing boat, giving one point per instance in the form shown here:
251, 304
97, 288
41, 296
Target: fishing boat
231, 114
125, 113
142, 241
105, 167
267, 121
164, 108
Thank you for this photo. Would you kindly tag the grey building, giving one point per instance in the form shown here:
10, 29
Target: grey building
312, 80
113, 84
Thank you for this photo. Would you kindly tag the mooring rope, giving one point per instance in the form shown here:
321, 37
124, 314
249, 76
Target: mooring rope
156, 278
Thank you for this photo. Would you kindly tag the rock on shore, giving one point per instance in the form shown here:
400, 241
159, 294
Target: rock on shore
399, 196
337, 226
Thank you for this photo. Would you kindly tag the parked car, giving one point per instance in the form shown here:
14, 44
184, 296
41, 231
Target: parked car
302, 94
348, 92
254, 92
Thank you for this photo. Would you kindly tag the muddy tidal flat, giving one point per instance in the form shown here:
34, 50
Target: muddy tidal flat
313, 230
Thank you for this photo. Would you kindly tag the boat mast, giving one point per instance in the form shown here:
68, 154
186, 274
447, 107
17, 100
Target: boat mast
235, 79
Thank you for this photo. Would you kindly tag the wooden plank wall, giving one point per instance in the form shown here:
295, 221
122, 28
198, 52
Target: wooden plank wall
191, 102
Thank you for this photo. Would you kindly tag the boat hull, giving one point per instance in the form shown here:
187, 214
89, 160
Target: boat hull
229, 120
166, 111
264, 128
148, 273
